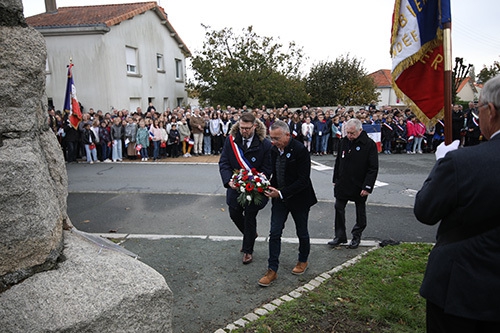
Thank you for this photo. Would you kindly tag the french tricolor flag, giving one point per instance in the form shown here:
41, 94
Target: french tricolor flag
374, 133
417, 55
71, 104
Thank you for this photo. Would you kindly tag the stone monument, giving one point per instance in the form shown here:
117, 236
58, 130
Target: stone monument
51, 278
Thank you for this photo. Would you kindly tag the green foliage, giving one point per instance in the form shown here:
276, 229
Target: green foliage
380, 293
344, 81
248, 70
488, 72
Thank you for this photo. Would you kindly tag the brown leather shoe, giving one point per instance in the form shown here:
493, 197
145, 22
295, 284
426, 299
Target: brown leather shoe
247, 258
268, 278
300, 268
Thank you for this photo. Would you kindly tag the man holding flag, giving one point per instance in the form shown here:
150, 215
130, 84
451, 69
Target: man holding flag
247, 147
71, 105
462, 278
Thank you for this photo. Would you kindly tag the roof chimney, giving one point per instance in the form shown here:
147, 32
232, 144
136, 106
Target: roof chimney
50, 6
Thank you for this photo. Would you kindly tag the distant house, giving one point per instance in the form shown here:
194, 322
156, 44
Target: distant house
124, 56
383, 80
467, 91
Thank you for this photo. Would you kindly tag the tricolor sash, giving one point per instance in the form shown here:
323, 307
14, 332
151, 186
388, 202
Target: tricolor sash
238, 153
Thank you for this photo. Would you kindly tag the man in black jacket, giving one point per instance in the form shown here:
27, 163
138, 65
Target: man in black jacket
292, 192
462, 279
354, 176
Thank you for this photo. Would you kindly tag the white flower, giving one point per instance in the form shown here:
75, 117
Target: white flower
242, 189
249, 198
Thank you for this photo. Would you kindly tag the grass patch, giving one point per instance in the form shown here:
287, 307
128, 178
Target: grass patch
380, 293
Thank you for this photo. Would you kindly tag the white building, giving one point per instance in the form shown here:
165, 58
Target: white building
124, 56
383, 82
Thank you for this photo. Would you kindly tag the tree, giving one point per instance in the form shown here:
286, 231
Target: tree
344, 82
248, 70
488, 72
459, 74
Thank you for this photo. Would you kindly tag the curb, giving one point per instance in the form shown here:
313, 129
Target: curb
296, 293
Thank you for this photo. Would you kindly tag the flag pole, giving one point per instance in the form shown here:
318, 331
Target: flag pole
447, 83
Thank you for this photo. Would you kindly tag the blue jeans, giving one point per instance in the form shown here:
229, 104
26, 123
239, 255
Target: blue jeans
279, 214
156, 149
105, 151
417, 144
90, 153
207, 144
387, 144
117, 150
322, 143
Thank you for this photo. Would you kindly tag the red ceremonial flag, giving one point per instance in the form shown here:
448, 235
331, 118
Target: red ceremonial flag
417, 55
71, 104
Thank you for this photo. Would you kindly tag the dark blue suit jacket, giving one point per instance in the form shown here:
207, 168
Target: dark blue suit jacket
462, 193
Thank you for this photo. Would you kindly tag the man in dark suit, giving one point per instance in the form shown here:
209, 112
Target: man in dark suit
354, 176
246, 146
292, 192
462, 280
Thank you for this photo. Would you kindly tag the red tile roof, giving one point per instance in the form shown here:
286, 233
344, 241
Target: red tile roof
108, 15
463, 83
101, 15
382, 78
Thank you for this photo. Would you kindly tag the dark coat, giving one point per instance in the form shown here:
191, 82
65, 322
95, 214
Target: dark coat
356, 167
463, 271
258, 154
88, 137
298, 192
387, 131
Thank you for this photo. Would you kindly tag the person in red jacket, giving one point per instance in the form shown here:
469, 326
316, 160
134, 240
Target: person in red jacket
410, 133
419, 132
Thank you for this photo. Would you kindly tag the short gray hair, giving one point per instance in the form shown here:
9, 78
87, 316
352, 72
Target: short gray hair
491, 92
280, 124
354, 122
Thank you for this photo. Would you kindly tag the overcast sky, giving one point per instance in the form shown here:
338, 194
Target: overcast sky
325, 29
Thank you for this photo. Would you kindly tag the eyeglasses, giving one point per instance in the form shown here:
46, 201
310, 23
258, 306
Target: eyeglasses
276, 138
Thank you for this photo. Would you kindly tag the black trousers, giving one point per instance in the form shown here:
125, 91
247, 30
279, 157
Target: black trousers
246, 222
440, 322
360, 225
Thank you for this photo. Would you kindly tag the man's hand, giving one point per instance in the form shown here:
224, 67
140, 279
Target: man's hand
272, 192
442, 149
364, 193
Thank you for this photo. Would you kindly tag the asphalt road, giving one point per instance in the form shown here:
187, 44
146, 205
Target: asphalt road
174, 216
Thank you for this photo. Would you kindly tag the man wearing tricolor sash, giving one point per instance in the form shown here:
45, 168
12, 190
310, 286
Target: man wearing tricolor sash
247, 147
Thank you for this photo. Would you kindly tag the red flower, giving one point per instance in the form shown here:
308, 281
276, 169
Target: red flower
260, 189
249, 187
244, 178
254, 171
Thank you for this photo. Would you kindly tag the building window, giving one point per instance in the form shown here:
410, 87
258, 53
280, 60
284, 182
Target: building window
179, 101
178, 69
159, 63
131, 55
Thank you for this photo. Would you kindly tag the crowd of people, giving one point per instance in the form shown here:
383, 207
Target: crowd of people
153, 135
